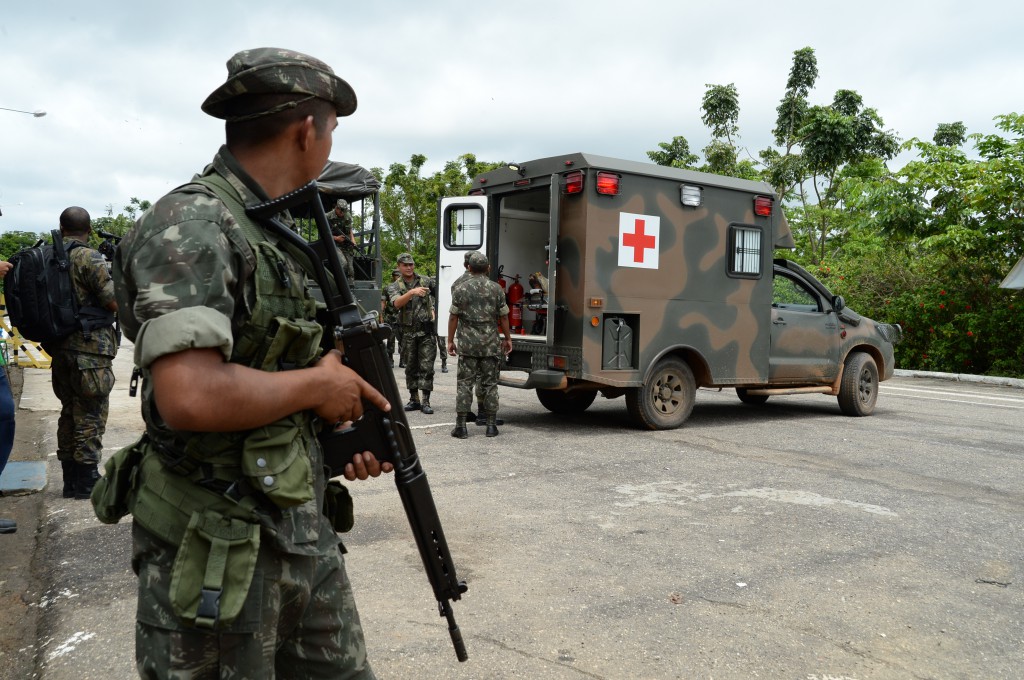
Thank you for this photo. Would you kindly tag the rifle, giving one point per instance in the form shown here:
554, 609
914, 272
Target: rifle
387, 435
108, 245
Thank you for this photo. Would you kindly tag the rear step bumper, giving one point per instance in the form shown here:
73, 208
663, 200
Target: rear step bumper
542, 379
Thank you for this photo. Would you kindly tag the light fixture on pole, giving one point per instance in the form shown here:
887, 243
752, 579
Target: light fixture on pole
37, 114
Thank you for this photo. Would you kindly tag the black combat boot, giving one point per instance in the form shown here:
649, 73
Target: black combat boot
425, 407
414, 401
88, 475
444, 363
69, 470
460, 431
492, 425
482, 420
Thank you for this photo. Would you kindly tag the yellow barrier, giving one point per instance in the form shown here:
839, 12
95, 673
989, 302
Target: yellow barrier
21, 351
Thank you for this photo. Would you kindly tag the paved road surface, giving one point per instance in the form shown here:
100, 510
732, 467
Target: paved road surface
781, 541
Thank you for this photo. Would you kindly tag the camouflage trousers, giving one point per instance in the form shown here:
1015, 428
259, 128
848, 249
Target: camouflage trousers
298, 621
82, 382
481, 373
419, 350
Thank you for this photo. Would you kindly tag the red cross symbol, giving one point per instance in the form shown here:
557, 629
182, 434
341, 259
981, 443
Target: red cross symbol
638, 241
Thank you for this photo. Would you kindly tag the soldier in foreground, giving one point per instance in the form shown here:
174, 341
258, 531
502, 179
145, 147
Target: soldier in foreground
240, 569
478, 310
410, 295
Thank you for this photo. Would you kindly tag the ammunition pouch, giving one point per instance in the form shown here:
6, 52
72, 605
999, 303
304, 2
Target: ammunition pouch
111, 497
213, 570
275, 459
338, 506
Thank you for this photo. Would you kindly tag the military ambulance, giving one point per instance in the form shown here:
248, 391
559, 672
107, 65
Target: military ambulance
638, 280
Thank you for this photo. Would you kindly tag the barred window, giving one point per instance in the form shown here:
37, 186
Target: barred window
745, 251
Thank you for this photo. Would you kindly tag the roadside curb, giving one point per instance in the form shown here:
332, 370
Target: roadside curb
962, 377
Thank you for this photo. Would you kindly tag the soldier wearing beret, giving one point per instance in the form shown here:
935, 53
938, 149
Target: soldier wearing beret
477, 313
240, 567
410, 296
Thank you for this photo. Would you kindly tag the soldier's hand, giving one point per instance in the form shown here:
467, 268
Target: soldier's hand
506, 346
365, 465
343, 400
451, 348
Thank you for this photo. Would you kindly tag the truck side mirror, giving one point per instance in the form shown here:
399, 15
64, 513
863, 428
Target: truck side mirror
838, 303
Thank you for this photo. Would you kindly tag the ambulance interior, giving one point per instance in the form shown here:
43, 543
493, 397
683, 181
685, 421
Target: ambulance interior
523, 229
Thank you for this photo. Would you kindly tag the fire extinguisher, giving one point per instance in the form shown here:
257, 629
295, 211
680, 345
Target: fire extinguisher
515, 305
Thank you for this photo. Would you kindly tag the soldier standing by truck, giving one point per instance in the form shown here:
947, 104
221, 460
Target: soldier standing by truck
410, 295
390, 317
478, 309
340, 220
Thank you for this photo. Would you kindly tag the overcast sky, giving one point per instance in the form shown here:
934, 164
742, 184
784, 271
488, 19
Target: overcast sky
121, 82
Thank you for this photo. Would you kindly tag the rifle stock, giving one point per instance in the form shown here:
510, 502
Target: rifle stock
387, 435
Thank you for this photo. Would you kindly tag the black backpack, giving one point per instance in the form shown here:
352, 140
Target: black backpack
41, 298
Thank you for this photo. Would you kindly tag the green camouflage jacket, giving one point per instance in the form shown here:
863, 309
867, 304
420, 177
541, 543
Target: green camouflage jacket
417, 310
479, 303
94, 287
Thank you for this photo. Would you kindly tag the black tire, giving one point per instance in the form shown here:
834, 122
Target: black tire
666, 400
753, 399
566, 403
858, 390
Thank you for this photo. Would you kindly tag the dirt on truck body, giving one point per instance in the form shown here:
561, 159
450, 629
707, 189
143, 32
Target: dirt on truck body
638, 280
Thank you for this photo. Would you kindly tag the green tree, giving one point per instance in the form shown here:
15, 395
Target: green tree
409, 205
675, 154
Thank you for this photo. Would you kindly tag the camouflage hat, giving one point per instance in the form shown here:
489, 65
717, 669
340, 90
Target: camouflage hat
406, 258
469, 254
342, 203
395, 272
269, 70
477, 259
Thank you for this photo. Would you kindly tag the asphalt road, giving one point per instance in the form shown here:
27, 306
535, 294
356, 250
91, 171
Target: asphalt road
780, 541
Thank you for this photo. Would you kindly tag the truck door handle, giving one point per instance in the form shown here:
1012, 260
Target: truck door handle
779, 322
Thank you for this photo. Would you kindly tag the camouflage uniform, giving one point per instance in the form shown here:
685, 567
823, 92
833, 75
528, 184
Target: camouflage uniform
188, 277
81, 369
419, 348
441, 343
479, 304
390, 317
341, 225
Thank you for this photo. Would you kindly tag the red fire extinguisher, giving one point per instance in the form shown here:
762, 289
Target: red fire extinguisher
515, 305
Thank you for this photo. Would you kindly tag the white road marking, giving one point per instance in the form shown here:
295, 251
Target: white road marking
980, 395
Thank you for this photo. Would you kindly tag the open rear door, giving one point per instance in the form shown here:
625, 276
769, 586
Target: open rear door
460, 229
553, 212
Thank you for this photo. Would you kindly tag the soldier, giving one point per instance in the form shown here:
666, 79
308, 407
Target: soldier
340, 220
441, 347
470, 416
81, 367
478, 310
240, 569
410, 295
390, 317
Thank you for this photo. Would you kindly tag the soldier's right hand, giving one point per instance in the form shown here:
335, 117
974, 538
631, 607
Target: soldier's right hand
343, 399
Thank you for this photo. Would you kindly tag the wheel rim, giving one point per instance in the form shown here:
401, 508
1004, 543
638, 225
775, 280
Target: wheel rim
866, 386
668, 394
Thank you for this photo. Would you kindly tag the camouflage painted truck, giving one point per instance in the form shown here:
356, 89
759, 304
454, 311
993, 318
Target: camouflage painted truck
637, 280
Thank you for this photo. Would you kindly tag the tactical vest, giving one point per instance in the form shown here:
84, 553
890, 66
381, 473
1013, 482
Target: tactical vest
209, 493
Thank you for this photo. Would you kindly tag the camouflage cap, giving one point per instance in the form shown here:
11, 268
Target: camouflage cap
477, 259
395, 272
342, 203
406, 258
269, 70
465, 259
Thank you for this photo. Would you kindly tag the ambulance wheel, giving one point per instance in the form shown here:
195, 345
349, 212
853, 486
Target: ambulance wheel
558, 401
753, 399
858, 391
666, 399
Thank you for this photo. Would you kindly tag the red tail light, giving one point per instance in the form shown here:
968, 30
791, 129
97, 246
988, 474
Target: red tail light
608, 183
573, 182
763, 205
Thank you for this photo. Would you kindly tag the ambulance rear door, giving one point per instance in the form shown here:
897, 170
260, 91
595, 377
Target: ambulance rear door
461, 222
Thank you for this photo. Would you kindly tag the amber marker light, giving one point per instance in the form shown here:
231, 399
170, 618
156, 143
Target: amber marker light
594, 321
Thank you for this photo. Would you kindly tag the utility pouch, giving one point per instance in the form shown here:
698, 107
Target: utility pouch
213, 570
275, 458
295, 344
111, 497
338, 506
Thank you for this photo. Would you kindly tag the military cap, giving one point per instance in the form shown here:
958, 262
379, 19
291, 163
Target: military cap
465, 259
395, 272
270, 70
342, 203
406, 258
477, 259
